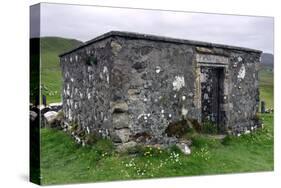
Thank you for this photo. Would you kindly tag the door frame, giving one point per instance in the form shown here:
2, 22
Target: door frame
208, 60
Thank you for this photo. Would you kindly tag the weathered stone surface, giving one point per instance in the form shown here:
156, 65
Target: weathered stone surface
44, 109
115, 47
169, 141
55, 106
206, 58
115, 138
50, 116
184, 148
123, 134
134, 91
32, 115
120, 120
139, 66
119, 107
204, 50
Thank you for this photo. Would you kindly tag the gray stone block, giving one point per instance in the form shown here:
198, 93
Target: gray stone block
120, 120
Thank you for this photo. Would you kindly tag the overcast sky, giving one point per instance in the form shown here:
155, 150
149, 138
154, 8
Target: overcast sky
86, 22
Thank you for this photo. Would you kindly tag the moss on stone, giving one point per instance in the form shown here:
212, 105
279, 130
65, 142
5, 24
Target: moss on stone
91, 60
179, 128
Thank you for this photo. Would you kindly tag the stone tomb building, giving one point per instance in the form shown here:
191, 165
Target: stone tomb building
132, 87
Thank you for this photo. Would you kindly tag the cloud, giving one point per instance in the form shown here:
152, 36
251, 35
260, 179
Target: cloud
86, 22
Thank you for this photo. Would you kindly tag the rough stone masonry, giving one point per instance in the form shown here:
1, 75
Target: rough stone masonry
132, 87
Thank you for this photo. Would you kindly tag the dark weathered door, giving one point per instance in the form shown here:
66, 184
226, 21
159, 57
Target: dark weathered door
210, 94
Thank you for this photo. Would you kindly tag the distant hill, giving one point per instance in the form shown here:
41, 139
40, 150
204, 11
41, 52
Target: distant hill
267, 61
51, 80
266, 74
267, 58
58, 44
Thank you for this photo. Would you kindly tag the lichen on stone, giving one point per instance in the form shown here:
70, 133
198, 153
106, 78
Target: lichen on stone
239, 59
242, 72
115, 47
105, 71
184, 111
178, 83
158, 69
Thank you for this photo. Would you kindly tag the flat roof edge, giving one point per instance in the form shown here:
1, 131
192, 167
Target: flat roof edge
158, 38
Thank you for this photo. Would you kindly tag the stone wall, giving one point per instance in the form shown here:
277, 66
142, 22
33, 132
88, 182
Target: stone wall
132, 88
239, 97
156, 81
243, 91
86, 89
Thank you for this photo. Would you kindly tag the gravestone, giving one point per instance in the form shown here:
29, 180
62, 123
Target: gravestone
263, 108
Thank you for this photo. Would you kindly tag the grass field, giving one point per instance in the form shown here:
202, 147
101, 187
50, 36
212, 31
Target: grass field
63, 161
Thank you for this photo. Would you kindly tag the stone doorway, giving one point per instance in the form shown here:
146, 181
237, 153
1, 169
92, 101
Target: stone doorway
211, 79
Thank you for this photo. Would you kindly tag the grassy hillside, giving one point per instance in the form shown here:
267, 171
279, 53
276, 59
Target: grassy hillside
63, 161
51, 80
266, 85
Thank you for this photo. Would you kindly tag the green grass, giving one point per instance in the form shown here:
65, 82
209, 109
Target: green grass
51, 77
63, 161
